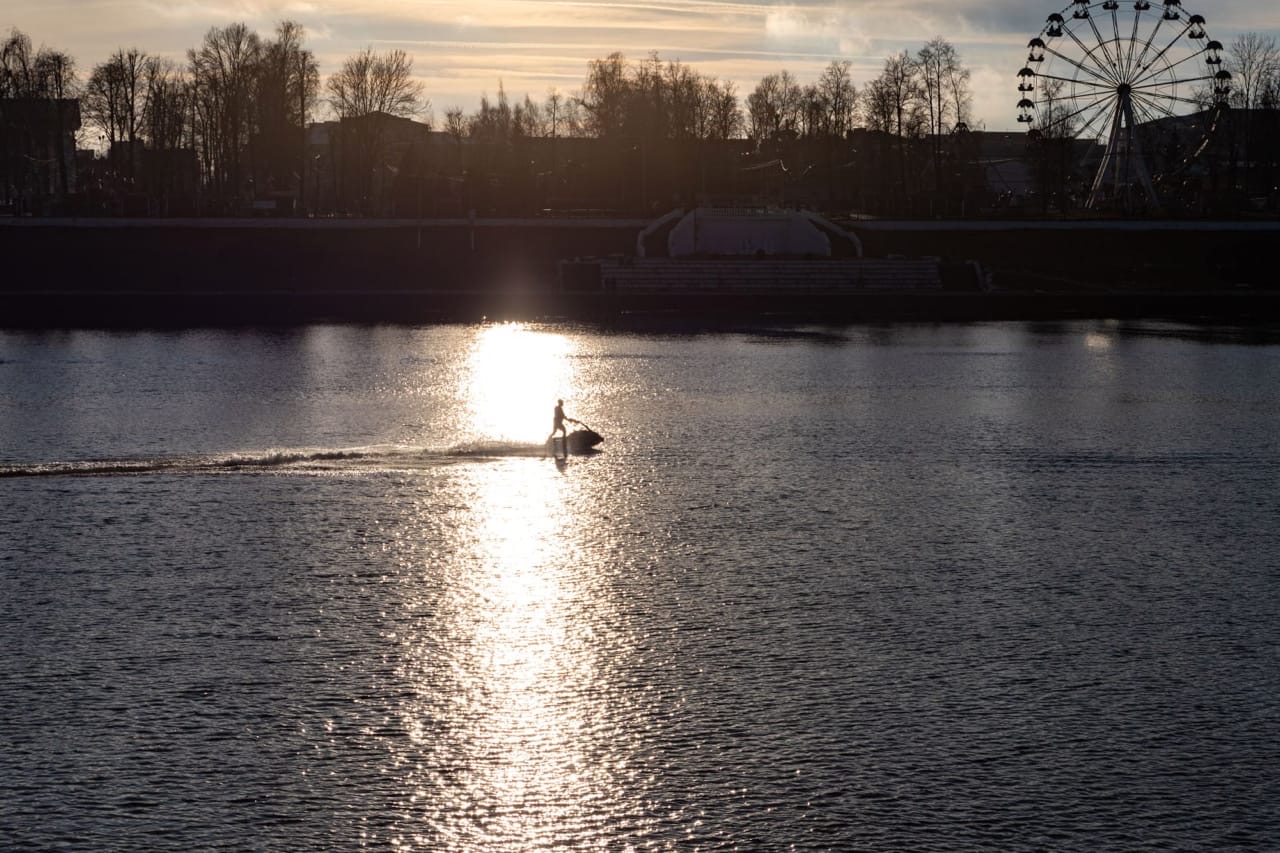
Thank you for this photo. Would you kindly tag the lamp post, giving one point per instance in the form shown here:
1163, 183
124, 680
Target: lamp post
315, 196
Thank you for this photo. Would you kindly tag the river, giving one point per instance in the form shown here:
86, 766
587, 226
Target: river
991, 586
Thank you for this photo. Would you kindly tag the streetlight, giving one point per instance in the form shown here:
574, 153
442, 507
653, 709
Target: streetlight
315, 197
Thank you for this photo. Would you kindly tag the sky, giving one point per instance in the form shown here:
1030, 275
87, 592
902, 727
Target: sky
463, 48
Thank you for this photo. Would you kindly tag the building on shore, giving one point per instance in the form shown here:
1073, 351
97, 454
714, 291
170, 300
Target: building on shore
734, 252
37, 153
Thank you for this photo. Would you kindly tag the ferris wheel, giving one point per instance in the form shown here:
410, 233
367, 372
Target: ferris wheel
1111, 73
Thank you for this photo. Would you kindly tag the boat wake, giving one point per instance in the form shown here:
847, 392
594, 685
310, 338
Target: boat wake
380, 458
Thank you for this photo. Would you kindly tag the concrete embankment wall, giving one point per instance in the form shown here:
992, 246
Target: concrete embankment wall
298, 255
1088, 256
181, 272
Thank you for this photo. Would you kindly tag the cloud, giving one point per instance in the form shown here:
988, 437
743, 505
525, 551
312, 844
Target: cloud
788, 23
833, 30
461, 47
994, 96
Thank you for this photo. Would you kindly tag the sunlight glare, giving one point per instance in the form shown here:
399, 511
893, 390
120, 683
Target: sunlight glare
516, 375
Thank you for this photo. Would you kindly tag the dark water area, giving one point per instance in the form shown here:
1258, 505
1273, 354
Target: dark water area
915, 587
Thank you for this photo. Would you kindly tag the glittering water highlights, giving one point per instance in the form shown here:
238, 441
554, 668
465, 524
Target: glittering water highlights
972, 587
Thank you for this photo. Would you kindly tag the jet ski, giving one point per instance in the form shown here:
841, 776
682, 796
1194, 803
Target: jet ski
579, 441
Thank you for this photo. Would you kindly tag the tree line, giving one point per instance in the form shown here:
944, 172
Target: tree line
1250, 146
915, 95
228, 122
240, 104
32, 85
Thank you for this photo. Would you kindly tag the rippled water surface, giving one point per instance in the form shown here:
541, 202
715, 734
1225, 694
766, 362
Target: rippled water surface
957, 587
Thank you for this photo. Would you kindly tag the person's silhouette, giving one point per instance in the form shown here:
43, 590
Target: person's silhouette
557, 422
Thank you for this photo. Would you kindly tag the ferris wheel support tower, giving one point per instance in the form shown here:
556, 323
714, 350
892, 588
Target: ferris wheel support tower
1122, 163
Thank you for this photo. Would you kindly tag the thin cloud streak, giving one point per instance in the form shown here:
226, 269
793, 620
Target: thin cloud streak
666, 51
535, 44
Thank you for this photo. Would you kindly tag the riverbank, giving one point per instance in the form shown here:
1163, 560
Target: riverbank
178, 309
173, 273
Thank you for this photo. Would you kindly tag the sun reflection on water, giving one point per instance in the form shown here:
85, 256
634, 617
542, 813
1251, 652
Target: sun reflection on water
526, 668
511, 710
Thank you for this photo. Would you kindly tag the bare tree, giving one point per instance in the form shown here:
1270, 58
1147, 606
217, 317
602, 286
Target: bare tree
720, 105
647, 108
877, 106
956, 86
115, 100
493, 121
166, 98
780, 106
901, 87
528, 119
288, 75
34, 133
773, 109
1053, 160
650, 99
563, 114
943, 89
55, 74
604, 95
56, 77
894, 106
371, 83
455, 123
1254, 62
930, 71
893, 102
285, 89
812, 113
1271, 92
166, 127
365, 91
17, 66
29, 73
682, 102
840, 97
224, 75
554, 109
